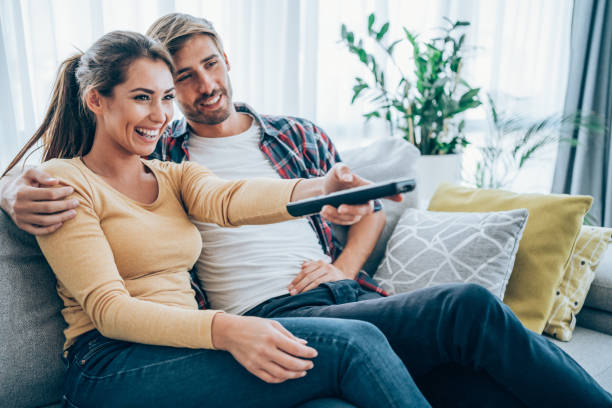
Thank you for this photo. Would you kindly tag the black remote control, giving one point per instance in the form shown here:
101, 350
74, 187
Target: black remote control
357, 195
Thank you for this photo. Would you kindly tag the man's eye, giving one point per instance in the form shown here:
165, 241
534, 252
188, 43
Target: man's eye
184, 77
141, 97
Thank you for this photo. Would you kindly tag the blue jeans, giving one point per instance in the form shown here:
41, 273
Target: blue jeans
458, 330
355, 363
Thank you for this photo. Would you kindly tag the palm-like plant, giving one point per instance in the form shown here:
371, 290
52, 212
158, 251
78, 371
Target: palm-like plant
421, 106
513, 140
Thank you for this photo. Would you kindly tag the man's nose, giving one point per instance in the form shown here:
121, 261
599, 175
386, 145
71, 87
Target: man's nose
206, 85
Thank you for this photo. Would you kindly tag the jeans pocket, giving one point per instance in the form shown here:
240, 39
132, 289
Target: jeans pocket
93, 347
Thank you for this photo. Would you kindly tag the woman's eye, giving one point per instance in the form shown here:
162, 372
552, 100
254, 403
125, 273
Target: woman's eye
211, 64
169, 97
141, 97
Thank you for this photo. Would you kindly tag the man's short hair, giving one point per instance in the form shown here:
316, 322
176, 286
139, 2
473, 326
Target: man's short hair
172, 30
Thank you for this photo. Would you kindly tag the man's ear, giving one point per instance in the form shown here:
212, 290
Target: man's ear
227, 64
93, 100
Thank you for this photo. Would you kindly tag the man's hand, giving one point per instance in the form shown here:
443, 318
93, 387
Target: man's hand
340, 177
264, 347
314, 273
35, 205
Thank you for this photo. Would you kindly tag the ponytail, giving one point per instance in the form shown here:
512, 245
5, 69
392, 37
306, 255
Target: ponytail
68, 127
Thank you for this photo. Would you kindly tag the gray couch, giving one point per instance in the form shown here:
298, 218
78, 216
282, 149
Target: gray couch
31, 324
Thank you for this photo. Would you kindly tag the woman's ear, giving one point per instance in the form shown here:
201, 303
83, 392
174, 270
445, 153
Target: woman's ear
93, 100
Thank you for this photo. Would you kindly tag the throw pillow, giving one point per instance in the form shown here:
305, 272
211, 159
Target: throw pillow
433, 248
579, 274
545, 249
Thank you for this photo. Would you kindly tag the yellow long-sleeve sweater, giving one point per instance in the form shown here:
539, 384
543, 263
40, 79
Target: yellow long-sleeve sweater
122, 266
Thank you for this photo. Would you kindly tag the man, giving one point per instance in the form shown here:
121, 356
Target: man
458, 333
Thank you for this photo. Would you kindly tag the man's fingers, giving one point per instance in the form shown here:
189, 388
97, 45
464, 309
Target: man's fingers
332, 216
303, 278
307, 268
396, 197
34, 230
43, 193
343, 173
46, 220
346, 212
315, 283
358, 209
40, 177
299, 287
49, 207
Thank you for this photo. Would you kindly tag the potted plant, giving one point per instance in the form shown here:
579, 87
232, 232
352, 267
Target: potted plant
513, 140
425, 105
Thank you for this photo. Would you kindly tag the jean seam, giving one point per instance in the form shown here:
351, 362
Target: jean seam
86, 376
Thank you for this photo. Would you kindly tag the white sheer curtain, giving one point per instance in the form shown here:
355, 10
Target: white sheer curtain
285, 56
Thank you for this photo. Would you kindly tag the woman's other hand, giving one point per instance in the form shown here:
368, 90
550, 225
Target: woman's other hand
264, 347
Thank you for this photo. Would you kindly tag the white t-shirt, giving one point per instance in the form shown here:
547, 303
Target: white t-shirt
242, 267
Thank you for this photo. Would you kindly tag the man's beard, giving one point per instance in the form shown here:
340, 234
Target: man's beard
193, 113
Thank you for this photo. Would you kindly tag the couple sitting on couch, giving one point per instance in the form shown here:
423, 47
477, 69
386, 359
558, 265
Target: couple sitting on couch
119, 234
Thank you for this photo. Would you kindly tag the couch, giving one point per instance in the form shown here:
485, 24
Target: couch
31, 324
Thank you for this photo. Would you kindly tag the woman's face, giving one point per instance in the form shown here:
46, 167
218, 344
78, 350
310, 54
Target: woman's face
133, 118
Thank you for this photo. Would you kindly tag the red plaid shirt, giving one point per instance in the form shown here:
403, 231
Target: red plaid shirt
295, 147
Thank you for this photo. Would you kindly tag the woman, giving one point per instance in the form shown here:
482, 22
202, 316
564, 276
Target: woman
135, 336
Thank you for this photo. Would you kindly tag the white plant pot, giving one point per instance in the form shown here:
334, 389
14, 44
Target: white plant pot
433, 170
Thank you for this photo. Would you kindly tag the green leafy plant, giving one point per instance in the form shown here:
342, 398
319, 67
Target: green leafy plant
513, 140
421, 106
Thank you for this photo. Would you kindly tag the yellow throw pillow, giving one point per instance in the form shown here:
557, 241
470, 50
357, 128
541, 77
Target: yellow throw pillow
544, 251
579, 274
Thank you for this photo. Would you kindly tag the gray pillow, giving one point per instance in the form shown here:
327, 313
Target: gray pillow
431, 248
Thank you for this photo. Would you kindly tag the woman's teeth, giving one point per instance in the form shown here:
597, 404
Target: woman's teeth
149, 134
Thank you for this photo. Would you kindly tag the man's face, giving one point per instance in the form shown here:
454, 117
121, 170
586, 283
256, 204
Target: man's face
203, 87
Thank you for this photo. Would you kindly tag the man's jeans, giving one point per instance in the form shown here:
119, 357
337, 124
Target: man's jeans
355, 363
462, 327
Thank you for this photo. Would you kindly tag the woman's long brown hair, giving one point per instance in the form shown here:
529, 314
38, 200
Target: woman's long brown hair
69, 127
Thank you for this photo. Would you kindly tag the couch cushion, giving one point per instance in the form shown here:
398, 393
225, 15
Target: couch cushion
30, 323
595, 319
551, 232
385, 159
600, 294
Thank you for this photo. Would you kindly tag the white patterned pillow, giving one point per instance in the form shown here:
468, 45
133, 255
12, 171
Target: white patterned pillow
431, 248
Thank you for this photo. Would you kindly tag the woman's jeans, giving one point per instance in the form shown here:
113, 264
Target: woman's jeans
355, 363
